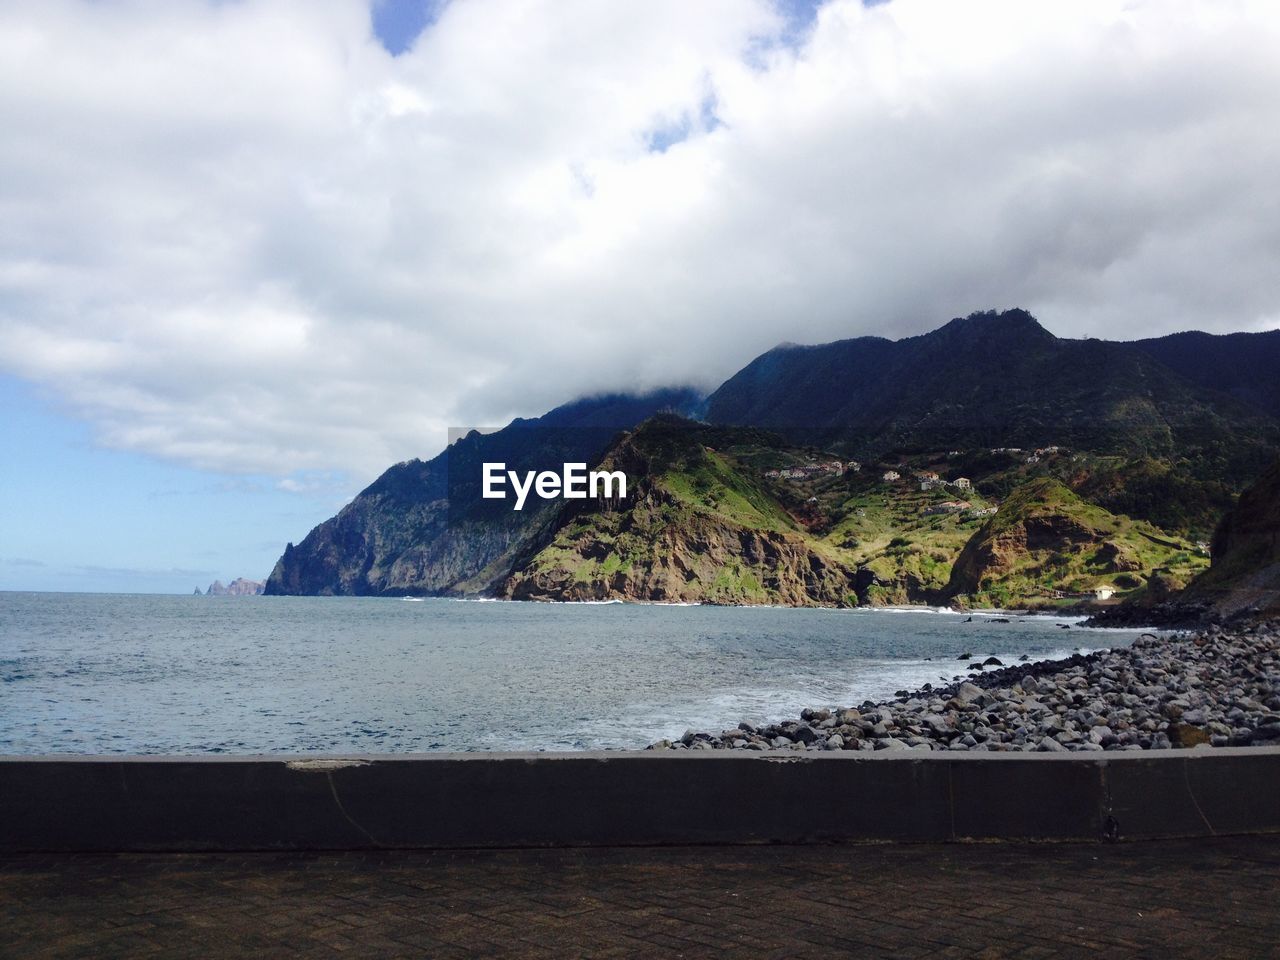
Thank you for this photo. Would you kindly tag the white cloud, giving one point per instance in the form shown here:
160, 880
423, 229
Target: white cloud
243, 236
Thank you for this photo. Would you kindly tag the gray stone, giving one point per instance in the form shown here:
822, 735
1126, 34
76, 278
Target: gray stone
804, 734
889, 743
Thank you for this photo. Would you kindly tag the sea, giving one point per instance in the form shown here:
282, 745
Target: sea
153, 674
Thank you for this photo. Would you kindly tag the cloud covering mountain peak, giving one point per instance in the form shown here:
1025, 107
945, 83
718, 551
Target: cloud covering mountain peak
246, 237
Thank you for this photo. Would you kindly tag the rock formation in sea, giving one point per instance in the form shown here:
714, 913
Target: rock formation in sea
239, 587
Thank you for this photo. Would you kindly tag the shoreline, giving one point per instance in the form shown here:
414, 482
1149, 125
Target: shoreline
1084, 616
1066, 613
1216, 687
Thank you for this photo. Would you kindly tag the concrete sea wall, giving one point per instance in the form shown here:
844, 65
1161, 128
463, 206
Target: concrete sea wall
511, 800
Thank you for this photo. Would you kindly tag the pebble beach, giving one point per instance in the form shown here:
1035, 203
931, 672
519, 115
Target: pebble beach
1213, 687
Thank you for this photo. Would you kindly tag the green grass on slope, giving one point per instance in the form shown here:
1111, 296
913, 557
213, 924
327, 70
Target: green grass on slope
1105, 550
711, 480
713, 484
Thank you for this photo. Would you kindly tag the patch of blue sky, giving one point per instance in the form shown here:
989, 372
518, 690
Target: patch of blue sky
687, 125
76, 516
398, 23
798, 17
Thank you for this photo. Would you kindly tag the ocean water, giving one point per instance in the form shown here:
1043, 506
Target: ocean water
97, 674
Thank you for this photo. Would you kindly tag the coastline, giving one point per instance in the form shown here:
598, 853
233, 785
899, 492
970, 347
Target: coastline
1214, 688
1082, 615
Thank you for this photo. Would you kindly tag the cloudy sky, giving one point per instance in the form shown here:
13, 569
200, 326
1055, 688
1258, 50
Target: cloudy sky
254, 251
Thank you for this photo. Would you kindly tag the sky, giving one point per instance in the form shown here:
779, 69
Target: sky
252, 252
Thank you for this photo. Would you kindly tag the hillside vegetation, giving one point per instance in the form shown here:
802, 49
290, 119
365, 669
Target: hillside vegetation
1110, 465
706, 523
1045, 543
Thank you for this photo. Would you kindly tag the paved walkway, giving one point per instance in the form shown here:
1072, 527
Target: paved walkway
1216, 898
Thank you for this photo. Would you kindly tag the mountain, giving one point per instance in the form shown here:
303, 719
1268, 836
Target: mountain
989, 379
418, 529
699, 526
1047, 543
1243, 365
1171, 444
736, 515
1003, 465
1244, 576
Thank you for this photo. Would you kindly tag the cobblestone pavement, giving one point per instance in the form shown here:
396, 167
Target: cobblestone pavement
1207, 898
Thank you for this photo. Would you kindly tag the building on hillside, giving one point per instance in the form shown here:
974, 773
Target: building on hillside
982, 512
947, 506
827, 467
1032, 459
1104, 593
930, 484
853, 466
962, 483
891, 475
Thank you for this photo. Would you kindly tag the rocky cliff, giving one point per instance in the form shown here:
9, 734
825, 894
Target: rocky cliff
1244, 577
697, 528
419, 530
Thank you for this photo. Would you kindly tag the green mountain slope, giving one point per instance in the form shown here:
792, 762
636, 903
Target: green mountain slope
697, 527
990, 379
1166, 432
708, 521
1046, 543
1181, 447
1243, 365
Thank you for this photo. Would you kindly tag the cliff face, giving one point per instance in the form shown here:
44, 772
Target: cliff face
1244, 576
697, 528
1045, 540
416, 530
678, 553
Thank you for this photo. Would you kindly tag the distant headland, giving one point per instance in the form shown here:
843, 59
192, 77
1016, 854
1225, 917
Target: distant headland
239, 587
